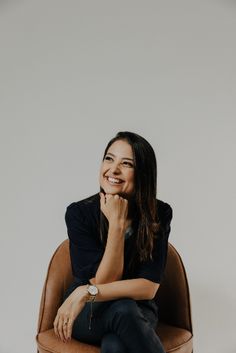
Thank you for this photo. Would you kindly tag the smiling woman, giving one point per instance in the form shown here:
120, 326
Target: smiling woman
117, 170
118, 249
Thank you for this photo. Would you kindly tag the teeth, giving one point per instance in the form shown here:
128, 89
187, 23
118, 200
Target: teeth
113, 180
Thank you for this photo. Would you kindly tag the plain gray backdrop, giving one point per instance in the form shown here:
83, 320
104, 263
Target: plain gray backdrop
72, 74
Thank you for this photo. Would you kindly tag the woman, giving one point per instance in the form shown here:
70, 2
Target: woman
118, 248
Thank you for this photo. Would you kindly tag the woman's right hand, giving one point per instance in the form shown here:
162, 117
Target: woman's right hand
115, 209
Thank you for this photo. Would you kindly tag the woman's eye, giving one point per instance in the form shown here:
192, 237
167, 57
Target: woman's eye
107, 158
128, 164
125, 163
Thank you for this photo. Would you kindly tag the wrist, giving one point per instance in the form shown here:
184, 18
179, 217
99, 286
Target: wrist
117, 225
83, 295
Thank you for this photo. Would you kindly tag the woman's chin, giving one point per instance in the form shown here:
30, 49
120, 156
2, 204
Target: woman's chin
111, 191
114, 190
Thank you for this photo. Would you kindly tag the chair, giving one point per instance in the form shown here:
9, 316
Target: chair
174, 327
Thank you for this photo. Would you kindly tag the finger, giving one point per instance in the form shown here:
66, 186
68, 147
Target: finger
64, 329
123, 198
68, 329
60, 329
55, 323
108, 196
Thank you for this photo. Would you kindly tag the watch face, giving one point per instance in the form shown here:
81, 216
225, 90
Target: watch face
93, 290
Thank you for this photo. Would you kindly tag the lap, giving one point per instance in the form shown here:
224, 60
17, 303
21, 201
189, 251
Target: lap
149, 314
129, 307
103, 311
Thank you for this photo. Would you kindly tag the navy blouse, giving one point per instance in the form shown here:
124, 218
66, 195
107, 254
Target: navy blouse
86, 248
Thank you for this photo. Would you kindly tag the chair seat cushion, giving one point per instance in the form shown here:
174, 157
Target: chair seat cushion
174, 339
48, 342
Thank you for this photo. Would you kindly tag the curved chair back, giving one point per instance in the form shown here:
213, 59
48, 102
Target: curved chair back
59, 276
173, 296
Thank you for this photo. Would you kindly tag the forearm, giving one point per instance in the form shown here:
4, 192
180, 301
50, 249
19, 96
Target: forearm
112, 264
137, 289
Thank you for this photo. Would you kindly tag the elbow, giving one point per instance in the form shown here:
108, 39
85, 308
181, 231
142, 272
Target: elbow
152, 289
155, 287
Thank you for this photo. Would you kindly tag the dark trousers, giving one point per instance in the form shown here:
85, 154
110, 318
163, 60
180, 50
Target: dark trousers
118, 326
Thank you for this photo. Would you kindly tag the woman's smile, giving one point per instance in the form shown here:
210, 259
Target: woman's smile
114, 181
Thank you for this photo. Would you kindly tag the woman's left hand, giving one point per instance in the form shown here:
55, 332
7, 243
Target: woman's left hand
67, 313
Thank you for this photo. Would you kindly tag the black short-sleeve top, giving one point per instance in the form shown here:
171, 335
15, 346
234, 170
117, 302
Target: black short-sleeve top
86, 248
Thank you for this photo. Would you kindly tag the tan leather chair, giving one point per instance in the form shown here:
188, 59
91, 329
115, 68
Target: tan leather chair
174, 327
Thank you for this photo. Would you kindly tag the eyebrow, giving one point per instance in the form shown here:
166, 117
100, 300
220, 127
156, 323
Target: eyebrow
122, 158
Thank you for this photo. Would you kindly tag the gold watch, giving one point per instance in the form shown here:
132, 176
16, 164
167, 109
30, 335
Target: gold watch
92, 291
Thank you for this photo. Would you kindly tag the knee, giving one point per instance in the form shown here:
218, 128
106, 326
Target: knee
111, 343
126, 308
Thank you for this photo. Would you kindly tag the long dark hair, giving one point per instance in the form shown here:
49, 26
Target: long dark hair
144, 206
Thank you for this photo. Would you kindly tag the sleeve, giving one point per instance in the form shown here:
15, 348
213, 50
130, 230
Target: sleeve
85, 250
153, 270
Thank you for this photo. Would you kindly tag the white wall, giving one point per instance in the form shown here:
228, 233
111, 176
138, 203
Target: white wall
72, 74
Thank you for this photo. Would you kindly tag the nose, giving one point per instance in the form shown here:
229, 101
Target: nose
115, 168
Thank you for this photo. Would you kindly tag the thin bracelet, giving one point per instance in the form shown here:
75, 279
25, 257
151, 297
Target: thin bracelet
91, 312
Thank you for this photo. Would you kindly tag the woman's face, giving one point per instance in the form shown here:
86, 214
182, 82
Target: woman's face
117, 170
